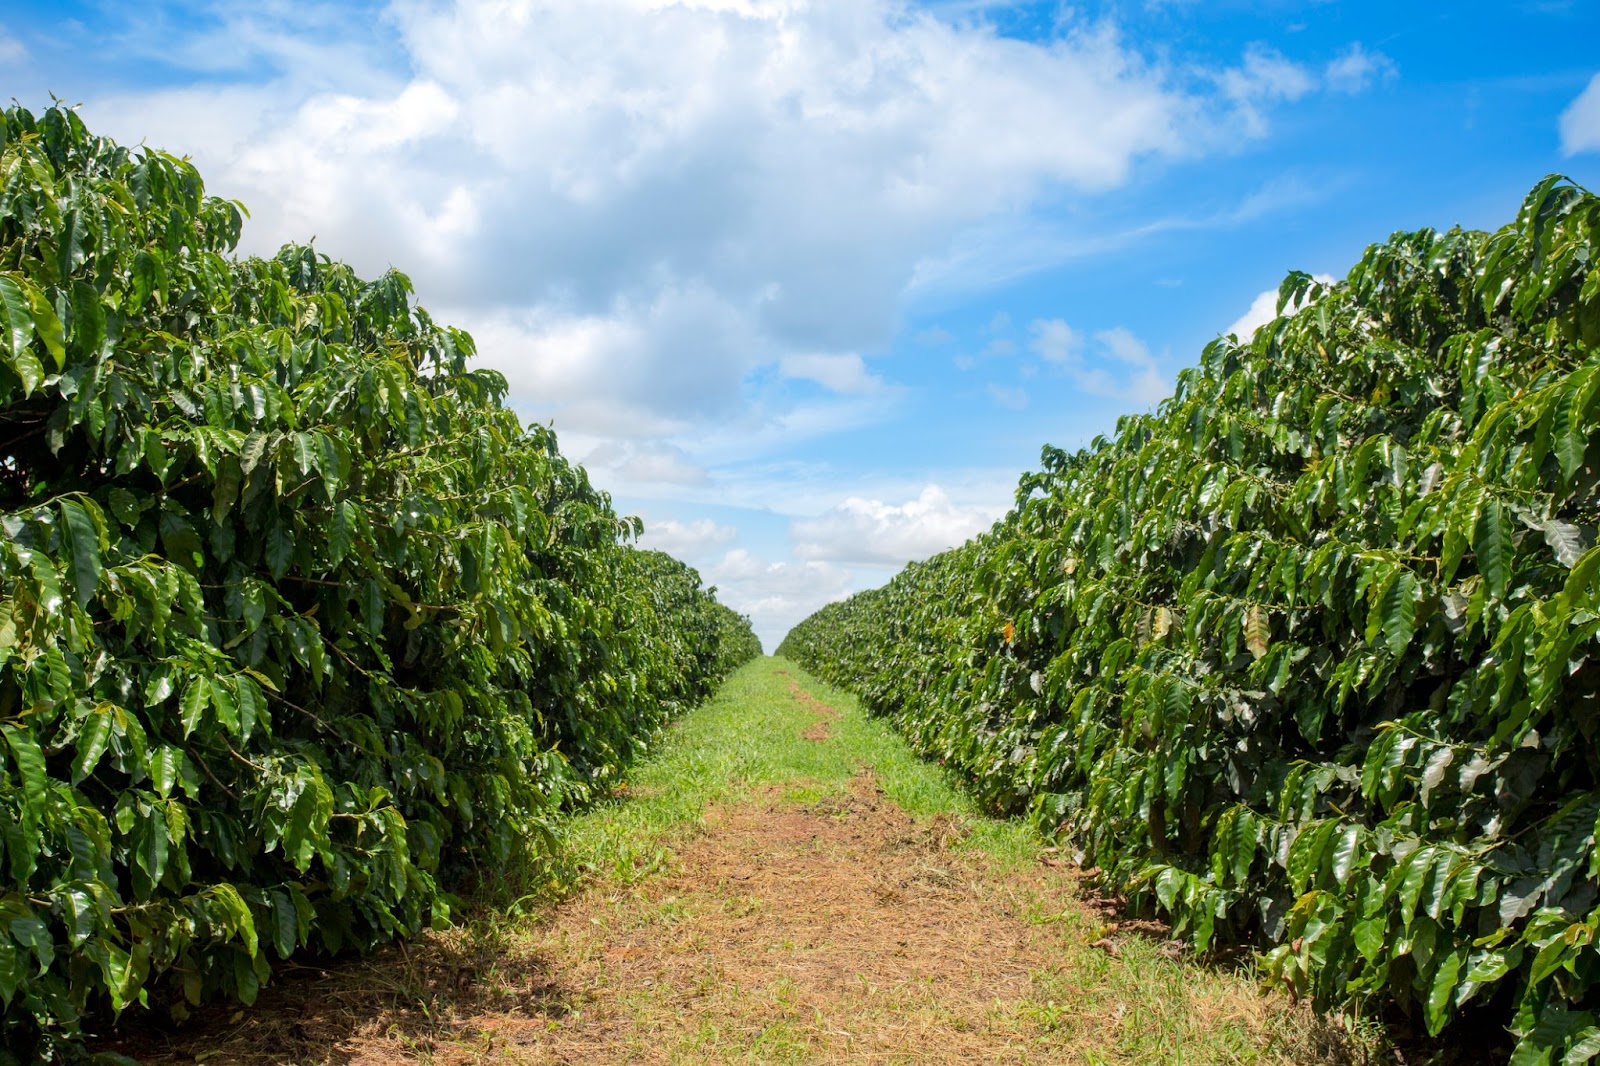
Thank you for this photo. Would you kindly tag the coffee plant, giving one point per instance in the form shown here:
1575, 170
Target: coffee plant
299, 626
1307, 658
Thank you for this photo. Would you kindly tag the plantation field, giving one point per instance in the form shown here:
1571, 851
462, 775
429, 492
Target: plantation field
344, 718
782, 882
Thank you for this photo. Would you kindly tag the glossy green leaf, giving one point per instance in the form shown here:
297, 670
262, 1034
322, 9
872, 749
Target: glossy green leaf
94, 734
80, 536
16, 321
1491, 541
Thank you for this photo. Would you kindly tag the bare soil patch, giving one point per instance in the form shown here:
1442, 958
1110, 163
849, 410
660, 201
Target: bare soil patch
819, 729
836, 930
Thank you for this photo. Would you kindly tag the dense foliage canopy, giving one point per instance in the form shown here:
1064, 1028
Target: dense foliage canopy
1308, 656
297, 622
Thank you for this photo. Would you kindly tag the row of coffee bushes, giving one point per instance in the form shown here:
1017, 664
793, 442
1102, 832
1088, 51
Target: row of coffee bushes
298, 624
1307, 658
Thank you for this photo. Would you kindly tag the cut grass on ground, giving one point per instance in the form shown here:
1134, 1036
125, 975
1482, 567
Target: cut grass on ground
783, 881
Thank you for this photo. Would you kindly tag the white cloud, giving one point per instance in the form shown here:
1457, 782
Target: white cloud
654, 462
696, 191
1055, 341
1263, 309
1580, 122
11, 50
1117, 364
1012, 399
687, 540
1355, 69
776, 595
1265, 76
636, 369
840, 373
871, 532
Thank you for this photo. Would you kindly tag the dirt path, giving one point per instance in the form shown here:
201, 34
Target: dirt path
840, 929
799, 924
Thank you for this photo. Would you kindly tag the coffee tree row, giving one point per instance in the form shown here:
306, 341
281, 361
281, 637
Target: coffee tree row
1307, 657
298, 624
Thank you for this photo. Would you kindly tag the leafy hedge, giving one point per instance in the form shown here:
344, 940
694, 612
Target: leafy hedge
298, 625
1308, 656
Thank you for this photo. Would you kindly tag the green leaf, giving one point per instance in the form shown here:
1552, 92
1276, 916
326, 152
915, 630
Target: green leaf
31, 933
1346, 850
280, 548
71, 239
1584, 1046
306, 456
47, 326
226, 705
1398, 607
1491, 541
251, 451
88, 331
148, 278
166, 763
16, 322
1568, 434
341, 532
150, 850
239, 920
29, 761
159, 687
192, 705
1566, 541
225, 490
125, 505
1372, 937
94, 733
1441, 993
285, 923
80, 535
251, 705
179, 539
13, 970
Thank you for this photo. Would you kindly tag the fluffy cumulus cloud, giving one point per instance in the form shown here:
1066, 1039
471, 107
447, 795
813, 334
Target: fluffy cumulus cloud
839, 373
776, 594
1580, 122
687, 540
1112, 362
634, 203
643, 367
874, 533
1355, 70
652, 462
1263, 309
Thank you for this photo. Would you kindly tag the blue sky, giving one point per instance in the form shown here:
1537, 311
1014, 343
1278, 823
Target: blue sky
807, 285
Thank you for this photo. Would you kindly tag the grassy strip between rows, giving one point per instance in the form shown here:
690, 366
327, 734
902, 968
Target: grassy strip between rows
749, 740
749, 736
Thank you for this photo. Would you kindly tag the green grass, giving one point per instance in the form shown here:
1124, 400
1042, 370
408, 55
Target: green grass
747, 737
